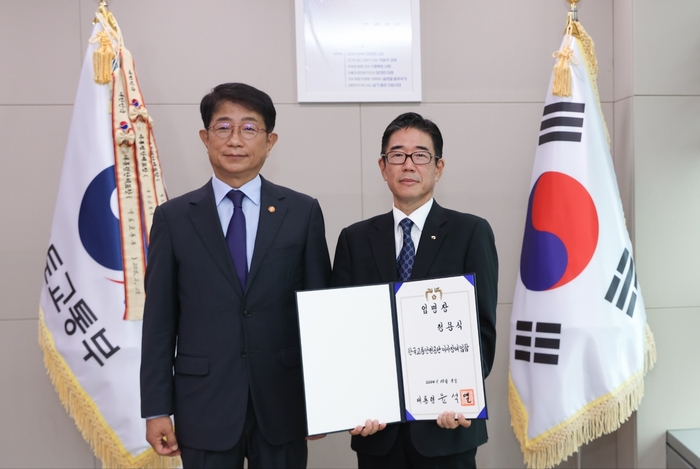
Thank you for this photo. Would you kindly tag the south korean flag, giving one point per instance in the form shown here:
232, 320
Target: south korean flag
579, 337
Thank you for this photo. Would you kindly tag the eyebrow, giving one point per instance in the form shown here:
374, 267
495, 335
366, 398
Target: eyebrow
244, 119
400, 147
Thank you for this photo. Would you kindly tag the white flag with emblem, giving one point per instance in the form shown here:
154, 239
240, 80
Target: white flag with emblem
579, 342
92, 295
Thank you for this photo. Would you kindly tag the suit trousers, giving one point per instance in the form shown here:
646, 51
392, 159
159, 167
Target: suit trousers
252, 446
404, 455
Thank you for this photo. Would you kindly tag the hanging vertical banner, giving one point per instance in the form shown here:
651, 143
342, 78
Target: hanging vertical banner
363, 50
92, 297
579, 342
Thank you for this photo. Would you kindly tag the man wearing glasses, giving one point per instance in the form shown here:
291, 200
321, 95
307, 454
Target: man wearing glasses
419, 239
220, 331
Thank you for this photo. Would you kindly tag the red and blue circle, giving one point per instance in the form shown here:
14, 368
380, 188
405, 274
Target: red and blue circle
561, 232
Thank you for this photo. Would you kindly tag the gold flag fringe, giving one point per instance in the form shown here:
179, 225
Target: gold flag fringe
591, 61
601, 416
104, 442
580, 33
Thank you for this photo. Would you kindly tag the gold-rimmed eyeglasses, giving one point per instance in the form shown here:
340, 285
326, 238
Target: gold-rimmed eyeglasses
223, 130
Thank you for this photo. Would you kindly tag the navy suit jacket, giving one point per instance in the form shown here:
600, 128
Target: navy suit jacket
207, 343
452, 243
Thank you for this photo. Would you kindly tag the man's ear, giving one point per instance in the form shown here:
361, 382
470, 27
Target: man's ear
382, 167
204, 136
271, 140
438, 171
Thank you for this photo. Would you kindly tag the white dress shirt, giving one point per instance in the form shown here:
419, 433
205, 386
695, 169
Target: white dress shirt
418, 218
251, 209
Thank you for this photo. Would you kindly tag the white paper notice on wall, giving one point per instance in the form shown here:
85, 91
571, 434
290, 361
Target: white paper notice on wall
359, 51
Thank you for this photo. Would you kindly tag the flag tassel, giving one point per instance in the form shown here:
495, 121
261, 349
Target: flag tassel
561, 84
102, 58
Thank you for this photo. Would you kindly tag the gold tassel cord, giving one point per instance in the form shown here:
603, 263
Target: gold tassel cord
561, 83
103, 58
110, 42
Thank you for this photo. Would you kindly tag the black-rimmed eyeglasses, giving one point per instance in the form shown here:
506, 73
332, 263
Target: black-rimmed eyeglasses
418, 157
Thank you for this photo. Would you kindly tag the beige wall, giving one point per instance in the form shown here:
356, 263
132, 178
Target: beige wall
666, 112
486, 65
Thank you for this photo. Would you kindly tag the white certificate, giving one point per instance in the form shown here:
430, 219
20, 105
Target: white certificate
391, 352
440, 348
358, 51
349, 358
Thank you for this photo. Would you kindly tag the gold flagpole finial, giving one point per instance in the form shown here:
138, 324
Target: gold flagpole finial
103, 9
573, 10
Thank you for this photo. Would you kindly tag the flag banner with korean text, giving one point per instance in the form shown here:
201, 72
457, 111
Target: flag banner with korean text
92, 294
579, 342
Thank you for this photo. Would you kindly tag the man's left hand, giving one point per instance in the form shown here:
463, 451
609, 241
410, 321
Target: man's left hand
448, 420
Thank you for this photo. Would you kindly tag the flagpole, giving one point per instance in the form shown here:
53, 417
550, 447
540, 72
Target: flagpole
578, 459
574, 17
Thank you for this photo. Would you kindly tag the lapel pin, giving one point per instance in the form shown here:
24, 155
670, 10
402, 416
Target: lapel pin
271, 209
433, 237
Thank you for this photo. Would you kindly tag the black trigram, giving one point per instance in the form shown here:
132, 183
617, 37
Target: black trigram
629, 287
574, 123
543, 343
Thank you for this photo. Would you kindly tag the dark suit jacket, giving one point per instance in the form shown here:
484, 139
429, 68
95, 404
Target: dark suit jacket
462, 243
206, 342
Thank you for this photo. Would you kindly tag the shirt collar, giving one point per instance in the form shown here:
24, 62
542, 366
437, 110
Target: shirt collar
418, 216
251, 189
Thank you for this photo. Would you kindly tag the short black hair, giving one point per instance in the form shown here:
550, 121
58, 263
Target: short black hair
243, 95
412, 120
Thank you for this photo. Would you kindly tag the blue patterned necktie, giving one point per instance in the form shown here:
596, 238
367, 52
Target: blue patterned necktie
235, 236
404, 263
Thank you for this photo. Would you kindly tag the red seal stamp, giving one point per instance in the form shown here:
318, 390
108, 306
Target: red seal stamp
466, 397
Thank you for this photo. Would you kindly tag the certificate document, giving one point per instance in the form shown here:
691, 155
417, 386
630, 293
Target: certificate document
440, 352
392, 352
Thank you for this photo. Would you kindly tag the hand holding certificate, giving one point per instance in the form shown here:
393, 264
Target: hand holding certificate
416, 344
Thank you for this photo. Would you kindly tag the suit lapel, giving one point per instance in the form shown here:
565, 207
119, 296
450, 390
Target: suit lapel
384, 247
431, 239
205, 219
273, 209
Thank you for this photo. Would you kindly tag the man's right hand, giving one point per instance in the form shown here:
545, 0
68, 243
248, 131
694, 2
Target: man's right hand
370, 428
160, 434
